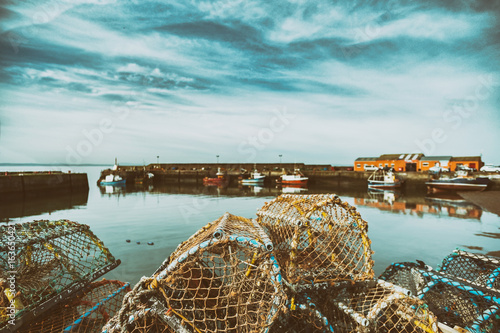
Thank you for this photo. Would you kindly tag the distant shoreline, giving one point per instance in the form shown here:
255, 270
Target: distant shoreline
52, 164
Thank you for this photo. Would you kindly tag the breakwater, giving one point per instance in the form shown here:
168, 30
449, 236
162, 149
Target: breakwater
340, 178
39, 183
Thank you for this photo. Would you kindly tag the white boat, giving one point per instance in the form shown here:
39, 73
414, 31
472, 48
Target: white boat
383, 179
112, 180
296, 179
255, 178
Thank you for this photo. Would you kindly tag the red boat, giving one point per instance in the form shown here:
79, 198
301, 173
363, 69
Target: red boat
220, 180
296, 179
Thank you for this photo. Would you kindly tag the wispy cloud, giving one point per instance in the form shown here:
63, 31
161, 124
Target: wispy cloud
198, 77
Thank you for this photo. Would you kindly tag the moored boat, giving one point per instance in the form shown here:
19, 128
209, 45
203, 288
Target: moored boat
255, 178
219, 180
384, 179
296, 179
461, 182
113, 180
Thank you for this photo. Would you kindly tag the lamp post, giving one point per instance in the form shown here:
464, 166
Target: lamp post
217, 158
280, 159
158, 159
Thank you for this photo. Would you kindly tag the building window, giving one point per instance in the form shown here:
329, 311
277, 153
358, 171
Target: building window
358, 165
386, 165
380, 165
425, 164
392, 165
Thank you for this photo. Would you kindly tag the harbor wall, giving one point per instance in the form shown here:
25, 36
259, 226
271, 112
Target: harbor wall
412, 180
40, 182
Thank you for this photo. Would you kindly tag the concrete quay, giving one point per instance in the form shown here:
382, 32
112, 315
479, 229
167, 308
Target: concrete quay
38, 183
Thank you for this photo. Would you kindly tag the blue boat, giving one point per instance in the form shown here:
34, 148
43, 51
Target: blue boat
255, 178
113, 180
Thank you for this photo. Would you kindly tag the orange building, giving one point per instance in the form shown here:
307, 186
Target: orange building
472, 162
400, 162
361, 163
416, 162
427, 162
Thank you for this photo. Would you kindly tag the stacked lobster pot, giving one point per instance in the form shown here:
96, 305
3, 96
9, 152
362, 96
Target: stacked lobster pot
463, 294
323, 249
304, 265
47, 267
224, 278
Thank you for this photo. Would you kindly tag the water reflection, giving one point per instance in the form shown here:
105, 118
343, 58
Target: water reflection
394, 201
443, 204
19, 205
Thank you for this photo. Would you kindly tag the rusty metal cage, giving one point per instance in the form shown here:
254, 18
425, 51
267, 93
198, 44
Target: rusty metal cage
222, 279
44, 262
317, 239
88, 311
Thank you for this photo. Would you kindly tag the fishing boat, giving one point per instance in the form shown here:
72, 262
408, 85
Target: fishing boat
461, 182
255, 178
296, 179
384, 179
219, 180
113, 180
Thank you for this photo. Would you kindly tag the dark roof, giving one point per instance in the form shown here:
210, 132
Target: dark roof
466, 158
359, 159
435, 158
404, 156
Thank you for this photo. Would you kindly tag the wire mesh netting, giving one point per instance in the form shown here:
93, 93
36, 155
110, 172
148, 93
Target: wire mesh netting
45, 261
317, 238
476, 268
222, 279
378, 306
301, 316
88, 311
454, 301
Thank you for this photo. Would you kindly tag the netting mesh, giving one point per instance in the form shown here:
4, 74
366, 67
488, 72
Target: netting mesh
47, 259
377, 306
223, 279
86, 312
455, 302
476, 268
317, 238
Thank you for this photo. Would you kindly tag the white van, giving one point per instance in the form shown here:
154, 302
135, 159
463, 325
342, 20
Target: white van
368, 167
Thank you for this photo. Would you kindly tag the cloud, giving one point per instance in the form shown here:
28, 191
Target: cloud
202, 76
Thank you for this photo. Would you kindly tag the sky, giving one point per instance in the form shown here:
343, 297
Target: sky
85, 81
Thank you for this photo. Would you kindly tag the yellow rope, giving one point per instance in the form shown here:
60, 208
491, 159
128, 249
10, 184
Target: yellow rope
178, 314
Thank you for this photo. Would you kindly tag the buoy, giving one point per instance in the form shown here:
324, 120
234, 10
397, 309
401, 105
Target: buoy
138, 242
151, 243
128, 241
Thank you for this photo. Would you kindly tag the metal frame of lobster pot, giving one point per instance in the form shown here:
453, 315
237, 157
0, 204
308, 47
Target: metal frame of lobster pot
318, 239
223, 278
52, 260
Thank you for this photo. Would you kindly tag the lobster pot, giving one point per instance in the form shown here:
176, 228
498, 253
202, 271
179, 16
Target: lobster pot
317, 238
302, 317
454, 301
224, 279
87, 312
378, 306
46, 261
475, 268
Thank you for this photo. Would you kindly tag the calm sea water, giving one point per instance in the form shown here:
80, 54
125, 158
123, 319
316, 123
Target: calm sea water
402, 226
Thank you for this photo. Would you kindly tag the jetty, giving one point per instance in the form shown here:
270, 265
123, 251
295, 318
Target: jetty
318, 174
40, 182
